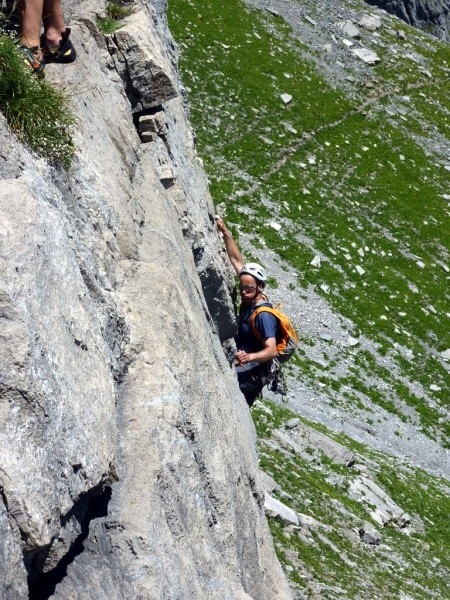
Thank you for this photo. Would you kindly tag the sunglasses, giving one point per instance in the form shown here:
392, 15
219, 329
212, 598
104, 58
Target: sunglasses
247, 288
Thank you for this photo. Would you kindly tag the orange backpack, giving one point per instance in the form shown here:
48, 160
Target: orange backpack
287, 337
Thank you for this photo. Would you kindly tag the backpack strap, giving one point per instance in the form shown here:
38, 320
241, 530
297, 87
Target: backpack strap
264, 307
286, 338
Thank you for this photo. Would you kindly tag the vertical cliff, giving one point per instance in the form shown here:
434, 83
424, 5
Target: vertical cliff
432, 16
128, 464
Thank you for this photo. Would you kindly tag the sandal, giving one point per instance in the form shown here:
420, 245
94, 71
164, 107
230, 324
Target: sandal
64, 52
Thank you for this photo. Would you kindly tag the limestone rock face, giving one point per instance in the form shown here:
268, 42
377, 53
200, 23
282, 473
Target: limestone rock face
128, 465
432, 16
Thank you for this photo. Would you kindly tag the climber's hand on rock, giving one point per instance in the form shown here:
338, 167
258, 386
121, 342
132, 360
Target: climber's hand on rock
220, 224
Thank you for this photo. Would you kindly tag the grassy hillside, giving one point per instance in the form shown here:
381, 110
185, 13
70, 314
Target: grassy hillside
353, 169
347, 179
326, 558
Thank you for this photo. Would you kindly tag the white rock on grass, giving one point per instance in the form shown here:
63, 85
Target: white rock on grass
435, 388
384, 509
348, 29
275, 225
307, 438
291, 129
446, 354
275, 508
286, 98
370, 22
315, 261
369, 535
366, 55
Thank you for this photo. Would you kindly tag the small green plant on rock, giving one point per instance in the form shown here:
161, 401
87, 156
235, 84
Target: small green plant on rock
37, 112
115, 14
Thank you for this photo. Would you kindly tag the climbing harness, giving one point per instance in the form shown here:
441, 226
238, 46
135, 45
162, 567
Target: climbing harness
276, 380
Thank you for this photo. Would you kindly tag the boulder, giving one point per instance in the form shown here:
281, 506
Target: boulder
302, 438
369, 535
383, 509
286, 98
366, 55
277, 509
370, 21
349, 29
143, 63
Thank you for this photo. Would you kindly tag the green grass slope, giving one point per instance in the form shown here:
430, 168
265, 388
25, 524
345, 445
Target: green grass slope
346, 169
327, 559
355, 169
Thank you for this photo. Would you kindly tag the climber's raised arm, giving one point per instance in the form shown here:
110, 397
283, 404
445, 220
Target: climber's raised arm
234, 254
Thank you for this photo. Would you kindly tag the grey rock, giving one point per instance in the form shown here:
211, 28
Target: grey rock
369, 535
268, 483
316, 261
351, 342
432, 15
333, 589
141, 60
446, 354
153, 123
366, 55
273, 12
383, 509
310, 21
326, 337
12, 569
308, 522
290, 445
304, 437
147, 136
370, 21
275, 508
120, 417
348, 29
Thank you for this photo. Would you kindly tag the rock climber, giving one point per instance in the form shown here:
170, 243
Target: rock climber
253, 356
54, 44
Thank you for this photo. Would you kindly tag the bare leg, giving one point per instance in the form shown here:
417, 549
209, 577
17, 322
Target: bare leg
54, 25
30, 32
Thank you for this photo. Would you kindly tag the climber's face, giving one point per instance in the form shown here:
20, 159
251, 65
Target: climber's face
248, 288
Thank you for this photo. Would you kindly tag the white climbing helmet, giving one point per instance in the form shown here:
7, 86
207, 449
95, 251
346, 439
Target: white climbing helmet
255, 271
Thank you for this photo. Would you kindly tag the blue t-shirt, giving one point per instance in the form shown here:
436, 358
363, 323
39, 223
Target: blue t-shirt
265, 323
